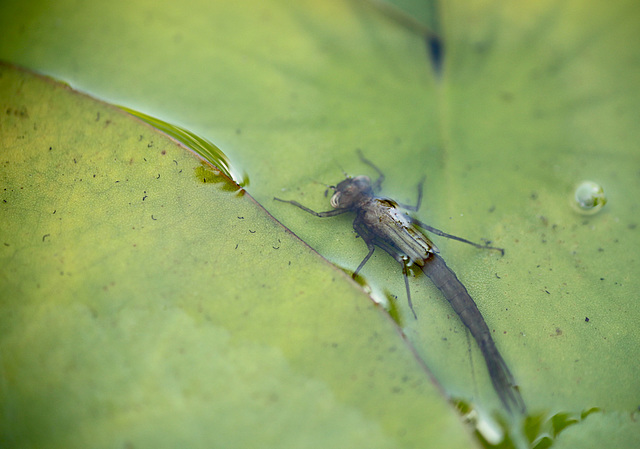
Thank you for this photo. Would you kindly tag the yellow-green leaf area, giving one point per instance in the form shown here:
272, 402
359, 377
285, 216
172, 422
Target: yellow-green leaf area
141, 307
610, 429
540, 99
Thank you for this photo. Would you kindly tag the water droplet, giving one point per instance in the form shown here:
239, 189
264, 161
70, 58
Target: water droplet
589, 198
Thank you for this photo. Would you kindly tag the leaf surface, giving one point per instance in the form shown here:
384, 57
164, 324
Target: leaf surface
532, 99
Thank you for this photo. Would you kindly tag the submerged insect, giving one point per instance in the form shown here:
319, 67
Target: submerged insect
380, 223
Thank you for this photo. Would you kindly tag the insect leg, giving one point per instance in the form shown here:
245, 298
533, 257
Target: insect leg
362, 232
406, 284
376, 185
453, 237
419, 202
329, 213
366, 258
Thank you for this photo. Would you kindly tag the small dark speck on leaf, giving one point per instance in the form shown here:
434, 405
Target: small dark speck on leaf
150, 144
602, 279
158, 177
163, 152
240, 218
435, 50
506, 96
45, 236
253, 232
586, 319
236, 246
153, 218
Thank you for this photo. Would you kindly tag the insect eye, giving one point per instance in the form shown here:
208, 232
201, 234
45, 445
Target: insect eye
335, 200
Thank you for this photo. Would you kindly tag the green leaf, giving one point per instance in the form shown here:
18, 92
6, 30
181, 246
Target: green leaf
143, 307
603, 430
532, 99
